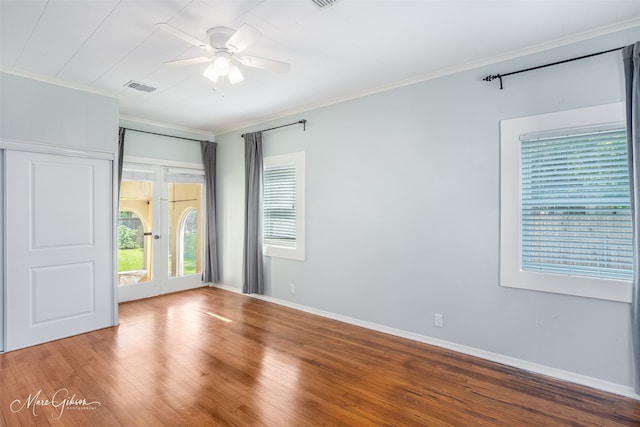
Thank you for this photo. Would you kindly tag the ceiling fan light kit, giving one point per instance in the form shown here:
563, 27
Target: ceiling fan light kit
211, 73
225, 43
232, 72
235, 76
222, 63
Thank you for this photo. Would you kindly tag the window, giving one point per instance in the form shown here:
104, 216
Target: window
565, 203
184, 228
279, 226
188, 244
283, 202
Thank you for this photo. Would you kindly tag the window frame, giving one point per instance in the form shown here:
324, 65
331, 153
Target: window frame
298, 252
511, 275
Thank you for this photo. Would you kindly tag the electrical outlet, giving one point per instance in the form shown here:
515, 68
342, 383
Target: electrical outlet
438, 320
292, 288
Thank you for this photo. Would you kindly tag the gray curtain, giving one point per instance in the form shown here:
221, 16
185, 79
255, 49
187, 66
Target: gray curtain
210, 268
631, 59
121, 132
252, 278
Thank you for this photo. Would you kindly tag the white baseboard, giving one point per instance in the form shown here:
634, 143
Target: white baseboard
483, 354
226, 288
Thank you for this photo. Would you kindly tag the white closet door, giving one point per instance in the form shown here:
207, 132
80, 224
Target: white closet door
59, 248
1, 251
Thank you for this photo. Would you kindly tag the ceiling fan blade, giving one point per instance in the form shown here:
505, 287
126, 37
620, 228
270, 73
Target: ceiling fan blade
184, 36
190, 61
242, 38
265, 64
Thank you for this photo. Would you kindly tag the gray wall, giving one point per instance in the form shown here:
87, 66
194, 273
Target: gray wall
39, 112
162, 147
403, 213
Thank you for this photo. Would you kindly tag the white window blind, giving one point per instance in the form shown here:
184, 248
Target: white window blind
575, 204
279, 206
194, 176
138, 174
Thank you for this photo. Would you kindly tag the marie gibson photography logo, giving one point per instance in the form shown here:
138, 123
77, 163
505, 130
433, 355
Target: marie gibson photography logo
60, 401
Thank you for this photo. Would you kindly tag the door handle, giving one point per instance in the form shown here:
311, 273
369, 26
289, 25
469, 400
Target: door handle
156, 237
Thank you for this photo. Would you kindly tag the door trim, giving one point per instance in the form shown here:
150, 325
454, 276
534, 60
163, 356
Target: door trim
34, 147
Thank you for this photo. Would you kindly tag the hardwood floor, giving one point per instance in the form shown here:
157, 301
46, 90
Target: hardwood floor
212, 357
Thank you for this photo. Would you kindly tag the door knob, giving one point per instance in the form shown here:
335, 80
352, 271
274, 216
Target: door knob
156, 236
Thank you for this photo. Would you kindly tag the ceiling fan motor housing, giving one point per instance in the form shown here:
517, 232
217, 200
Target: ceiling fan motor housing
218, 36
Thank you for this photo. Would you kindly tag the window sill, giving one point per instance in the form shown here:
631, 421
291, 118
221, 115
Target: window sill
606, 289
284, 252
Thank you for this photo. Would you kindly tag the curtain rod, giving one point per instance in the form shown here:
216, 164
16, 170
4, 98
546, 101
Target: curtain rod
500, 76
303, 122
162, 134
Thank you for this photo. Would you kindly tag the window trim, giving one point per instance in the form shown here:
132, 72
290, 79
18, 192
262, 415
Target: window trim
299, 251
510, 273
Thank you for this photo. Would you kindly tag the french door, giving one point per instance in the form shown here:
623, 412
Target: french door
160, 230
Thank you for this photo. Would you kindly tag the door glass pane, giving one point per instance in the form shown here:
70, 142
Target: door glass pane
188, 238
185, 233
134, 248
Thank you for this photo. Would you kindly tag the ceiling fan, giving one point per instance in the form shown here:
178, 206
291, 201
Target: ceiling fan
225, 43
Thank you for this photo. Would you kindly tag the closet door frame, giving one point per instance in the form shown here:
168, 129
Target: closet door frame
26, 146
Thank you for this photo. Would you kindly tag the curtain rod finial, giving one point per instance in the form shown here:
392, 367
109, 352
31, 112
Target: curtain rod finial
492, 77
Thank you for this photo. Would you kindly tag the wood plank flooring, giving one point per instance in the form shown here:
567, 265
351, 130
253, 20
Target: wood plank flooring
209, 357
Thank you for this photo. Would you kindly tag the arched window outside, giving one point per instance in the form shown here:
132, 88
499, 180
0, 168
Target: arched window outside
188, 243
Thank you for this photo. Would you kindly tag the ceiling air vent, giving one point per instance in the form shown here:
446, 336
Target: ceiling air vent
139, 86
324, 3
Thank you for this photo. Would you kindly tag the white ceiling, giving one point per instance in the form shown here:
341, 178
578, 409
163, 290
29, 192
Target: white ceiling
337, 52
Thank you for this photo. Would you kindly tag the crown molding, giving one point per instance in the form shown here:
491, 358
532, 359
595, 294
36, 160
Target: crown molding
163, 125
58, 82
541, 47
